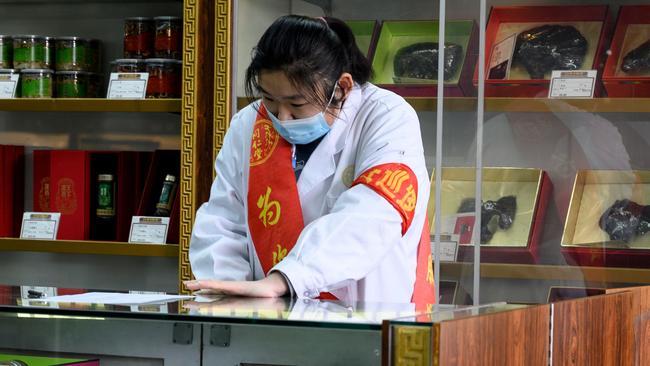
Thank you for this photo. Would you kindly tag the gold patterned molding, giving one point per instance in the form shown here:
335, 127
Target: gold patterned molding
411, 345
223, 72
206, 108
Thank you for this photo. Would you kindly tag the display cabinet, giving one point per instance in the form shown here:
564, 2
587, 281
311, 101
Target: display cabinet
512, 124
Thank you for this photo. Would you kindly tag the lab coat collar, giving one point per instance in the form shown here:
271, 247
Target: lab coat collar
322, 163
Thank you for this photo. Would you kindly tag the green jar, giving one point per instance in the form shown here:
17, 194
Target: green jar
36, 83
72, 54
29, 52
6, 52
72, 84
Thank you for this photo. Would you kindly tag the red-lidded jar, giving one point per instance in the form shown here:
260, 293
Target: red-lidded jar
139, 35
164, 78
169, 35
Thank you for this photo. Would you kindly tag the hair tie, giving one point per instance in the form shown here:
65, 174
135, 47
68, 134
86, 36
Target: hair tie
322, 19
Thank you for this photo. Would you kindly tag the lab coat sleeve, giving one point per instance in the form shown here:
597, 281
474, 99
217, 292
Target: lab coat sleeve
352, 240
218, 247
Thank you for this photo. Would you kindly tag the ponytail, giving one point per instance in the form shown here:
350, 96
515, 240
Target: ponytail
359, 65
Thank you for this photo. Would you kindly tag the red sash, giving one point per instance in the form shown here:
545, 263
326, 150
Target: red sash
274, 212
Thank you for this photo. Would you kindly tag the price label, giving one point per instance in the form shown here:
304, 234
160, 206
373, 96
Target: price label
40, 225
448, 248
501, 58
8, 85
149, 230
573, 84
128, 85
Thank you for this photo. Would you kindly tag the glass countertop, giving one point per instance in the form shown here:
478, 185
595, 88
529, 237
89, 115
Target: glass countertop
19, 301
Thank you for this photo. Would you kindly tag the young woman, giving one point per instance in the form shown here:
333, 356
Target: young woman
321, 188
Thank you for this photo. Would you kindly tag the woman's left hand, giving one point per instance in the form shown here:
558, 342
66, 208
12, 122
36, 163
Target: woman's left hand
272, 286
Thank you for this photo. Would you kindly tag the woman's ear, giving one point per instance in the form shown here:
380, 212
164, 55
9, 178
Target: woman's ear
345, 83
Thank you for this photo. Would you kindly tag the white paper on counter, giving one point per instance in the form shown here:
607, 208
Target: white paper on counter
116, 298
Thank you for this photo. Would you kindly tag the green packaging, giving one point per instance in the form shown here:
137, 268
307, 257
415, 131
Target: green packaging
29, 52
6, 52
36, 83
72, 54
72, 84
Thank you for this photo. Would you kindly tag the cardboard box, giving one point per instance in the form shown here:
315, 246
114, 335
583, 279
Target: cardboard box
593, 22
517, 244
395, 35
584, 243
68, 187
365, 34
163, 162
49, 361
632, 30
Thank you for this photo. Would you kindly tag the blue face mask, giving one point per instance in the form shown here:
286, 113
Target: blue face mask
303, 130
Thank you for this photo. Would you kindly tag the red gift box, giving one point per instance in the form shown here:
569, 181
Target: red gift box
163, 162
631, 19
12, 183
532, 187
69, 189
584, 242
537, 15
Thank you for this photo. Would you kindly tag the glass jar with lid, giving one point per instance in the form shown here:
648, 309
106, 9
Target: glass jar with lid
29, 52
6, 52
72, 54
164, 78
36, 83
168, 40
138, 37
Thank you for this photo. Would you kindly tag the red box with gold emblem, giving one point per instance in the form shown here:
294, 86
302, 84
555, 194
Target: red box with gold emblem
68, 188
12, 173
163, 163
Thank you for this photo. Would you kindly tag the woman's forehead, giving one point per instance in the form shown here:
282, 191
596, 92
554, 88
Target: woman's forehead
277, 85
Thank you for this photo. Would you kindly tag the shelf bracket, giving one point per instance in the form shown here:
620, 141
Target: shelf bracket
326, 5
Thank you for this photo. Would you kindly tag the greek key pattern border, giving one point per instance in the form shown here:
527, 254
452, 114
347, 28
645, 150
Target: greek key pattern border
222, 71
188, 131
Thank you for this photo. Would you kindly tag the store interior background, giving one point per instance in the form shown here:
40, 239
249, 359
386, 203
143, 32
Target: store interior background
559, 143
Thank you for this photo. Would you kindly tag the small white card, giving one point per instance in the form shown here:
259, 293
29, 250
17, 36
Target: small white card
149, 230
36, 292
448, 248
573, 84
8, 85
501, 58
156, 308
40, 225
128, 85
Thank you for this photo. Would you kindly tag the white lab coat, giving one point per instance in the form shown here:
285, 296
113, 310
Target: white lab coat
352, 243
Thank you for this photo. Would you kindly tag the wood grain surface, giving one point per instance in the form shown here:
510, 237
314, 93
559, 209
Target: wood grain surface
516, 337
593, 331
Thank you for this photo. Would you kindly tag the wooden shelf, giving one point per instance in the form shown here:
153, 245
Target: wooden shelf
596, 105
551, 272
91, 105
88, 247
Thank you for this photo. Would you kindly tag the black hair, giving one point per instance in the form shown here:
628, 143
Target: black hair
312, 52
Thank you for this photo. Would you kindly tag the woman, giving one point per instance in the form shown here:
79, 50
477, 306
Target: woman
321, 187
